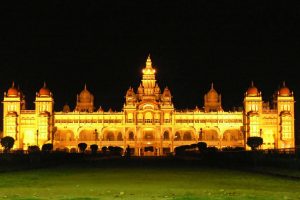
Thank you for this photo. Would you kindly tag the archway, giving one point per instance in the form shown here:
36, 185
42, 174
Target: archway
109, 136
187, 136
232, 135
210, 135
87, 135
131, 136
166, 135
120, 137
64, 135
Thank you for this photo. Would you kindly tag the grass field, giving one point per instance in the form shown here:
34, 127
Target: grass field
178, 183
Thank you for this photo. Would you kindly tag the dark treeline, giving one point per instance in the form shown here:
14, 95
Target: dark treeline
221, 159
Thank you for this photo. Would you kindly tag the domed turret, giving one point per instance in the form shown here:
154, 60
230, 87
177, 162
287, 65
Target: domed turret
167, 92
130, 92
130, 95
284, 91
66, 108
140, 89
252, 90
44, 91
166, 95
12, 91
157, 89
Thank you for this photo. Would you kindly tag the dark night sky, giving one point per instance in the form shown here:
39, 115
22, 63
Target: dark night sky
192, 43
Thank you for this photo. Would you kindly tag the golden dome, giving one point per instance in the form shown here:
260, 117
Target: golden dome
44, 91
12, 91
284, 91
85, 95
252, 90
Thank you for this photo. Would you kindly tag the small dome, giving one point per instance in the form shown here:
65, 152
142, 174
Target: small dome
166, 92
85, 95
66, 108
284, 91
130, 92
252, 90
12, 91
44, 91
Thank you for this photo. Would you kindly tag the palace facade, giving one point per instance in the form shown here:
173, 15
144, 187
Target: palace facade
149, 120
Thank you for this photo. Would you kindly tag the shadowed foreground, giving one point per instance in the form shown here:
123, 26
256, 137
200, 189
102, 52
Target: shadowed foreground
144, 181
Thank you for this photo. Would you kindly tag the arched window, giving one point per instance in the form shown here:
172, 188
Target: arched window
110, 136
120, 137
166, 135
187, 136
131, 136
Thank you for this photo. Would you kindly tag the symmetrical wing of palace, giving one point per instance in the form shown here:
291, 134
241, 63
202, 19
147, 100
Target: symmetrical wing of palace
149, 120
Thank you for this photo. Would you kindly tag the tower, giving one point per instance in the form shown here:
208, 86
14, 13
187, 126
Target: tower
284, 102
252, 112
12, 105
148, 81
44, 105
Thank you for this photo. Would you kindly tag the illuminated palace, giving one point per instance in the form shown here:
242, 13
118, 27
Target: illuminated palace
149, 121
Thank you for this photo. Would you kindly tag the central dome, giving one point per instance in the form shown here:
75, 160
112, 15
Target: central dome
85, 95
212, 95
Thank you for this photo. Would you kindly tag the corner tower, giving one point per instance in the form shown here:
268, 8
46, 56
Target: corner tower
284, 101
44, 105
12, 105
252, 112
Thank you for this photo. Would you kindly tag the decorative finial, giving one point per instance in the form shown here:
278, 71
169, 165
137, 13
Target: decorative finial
212, 85
149, 62
85, 86
44, 86
252, 84
13, 84
283, 84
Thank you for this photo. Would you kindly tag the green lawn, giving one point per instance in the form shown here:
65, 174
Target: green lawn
141, 183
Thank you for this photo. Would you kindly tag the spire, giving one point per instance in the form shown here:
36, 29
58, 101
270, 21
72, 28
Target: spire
13, 84
85, 86
252, 84
44, 86
149, 62
283, 84
212, 86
